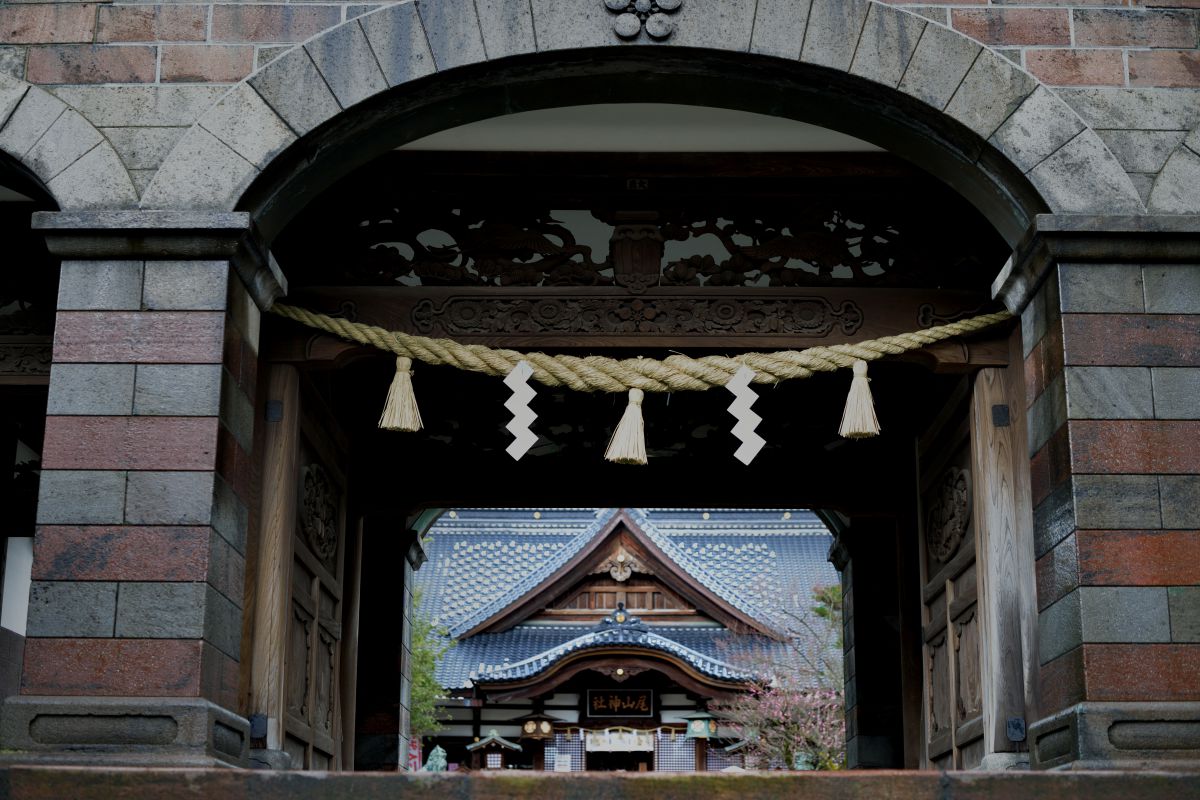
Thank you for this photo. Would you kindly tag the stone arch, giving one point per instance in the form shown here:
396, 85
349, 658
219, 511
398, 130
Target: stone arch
1176, 190
955, 107
74, 161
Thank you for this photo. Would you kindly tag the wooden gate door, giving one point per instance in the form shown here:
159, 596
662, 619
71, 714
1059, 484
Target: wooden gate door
299, 616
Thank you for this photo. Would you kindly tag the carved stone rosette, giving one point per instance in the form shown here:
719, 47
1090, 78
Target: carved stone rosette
949, 513
319, 513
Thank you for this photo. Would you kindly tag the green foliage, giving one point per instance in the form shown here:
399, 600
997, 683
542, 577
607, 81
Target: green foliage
429, 643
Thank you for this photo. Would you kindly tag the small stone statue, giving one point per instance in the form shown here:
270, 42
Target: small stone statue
436, 761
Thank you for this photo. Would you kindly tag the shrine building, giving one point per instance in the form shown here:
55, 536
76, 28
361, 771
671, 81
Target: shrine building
594, 639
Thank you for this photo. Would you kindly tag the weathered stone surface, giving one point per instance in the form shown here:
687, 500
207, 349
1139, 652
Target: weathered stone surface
201, 172
169, 498
185, 285
398, 41
12, 65
1047, 414
292, 85
1083, 176
1060, 628
143, 148
992, 90
453, 33
779, 27
62, 145
1173, 289
834, 27
177, 389
507, 28
1176, 392
138, 106
100, 285
1111, 502
32, 117
72, 608
161, 610
346, 62
1118, 737
570, 24
1109, 393
1177, 189
230, 517
1140, 150
1100, 288
1180, 501
1135, 109
715, 24
11, 92
1184, 602
1125, 614
1054, 518
1041, 125
250, 127
237, 412
91, 389
97, 180
222, 622
889, 37
81, 497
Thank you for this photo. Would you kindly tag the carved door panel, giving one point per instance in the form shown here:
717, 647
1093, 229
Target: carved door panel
953, 702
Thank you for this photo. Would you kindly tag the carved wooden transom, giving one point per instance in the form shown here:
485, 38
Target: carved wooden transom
949, 513
318, 513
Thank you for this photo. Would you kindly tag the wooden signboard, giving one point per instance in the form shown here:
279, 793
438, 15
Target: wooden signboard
620, 703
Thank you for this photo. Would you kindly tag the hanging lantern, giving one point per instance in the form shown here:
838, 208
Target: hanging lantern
701, 725
537, 726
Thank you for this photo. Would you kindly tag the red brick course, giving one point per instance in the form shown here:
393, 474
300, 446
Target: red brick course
109, 553
1138, 447
1077, 67
207, 63
1044, 362
1118, 28
1057, 572
147, 23
51, 23
263, 23
1015, 26
1168, 68
1142, 672
171, 443
1138, 558
1061, 683
149, 337
233, 464
113, 667
1134, 340
219, 678
88, 63
1050, 466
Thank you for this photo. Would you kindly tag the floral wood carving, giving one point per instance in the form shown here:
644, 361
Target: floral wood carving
621, 564
318, 514
24, 358
949, 513
799, 316
634, 15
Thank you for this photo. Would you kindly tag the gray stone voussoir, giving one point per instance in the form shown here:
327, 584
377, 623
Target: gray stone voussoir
779, 27
32, 117
1177, 188
292, 85
96, 180
345, 60
1084, 177
202, 172
713, 24
507, 27
889, 39
834, 28
572, 24
452, 27
11, 92
938, 65
68, 139
250, 127
397, 38
1040, 126
989, 93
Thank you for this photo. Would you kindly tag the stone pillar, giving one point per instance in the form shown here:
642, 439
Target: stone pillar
135, 619
1110, 312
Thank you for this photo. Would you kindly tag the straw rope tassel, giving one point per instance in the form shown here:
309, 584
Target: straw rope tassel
628, 444
400, 412
858, 420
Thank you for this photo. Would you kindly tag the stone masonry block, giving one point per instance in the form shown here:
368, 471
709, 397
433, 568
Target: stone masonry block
1173, 289
1100, 288
1180, 501
97, 389
1060, 628
779, 27
244, 121
571, 24
92, 63
989, 93
1040, 126
716, 25
169, 498
272, 23
100, 286
72, 608
1084, 177
177, 389
32, 117
97, 180
1177, 189
231, 518
1135, 108
161, 610
398, 40
140, 106
1113, 502
1047, 414
1014, 26
889, 38
68, 139
48, 23
507, 28
143, 148
453, 33
237, 412
11, 92
88, 497
222, 622
206, 63
1109, 393
201, 172
1141, 150
12, 65
1184, 603
292, 85
1095, 27
346, 62
1176, 392
834, 28
1054, 518
1125, 614
185, 285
